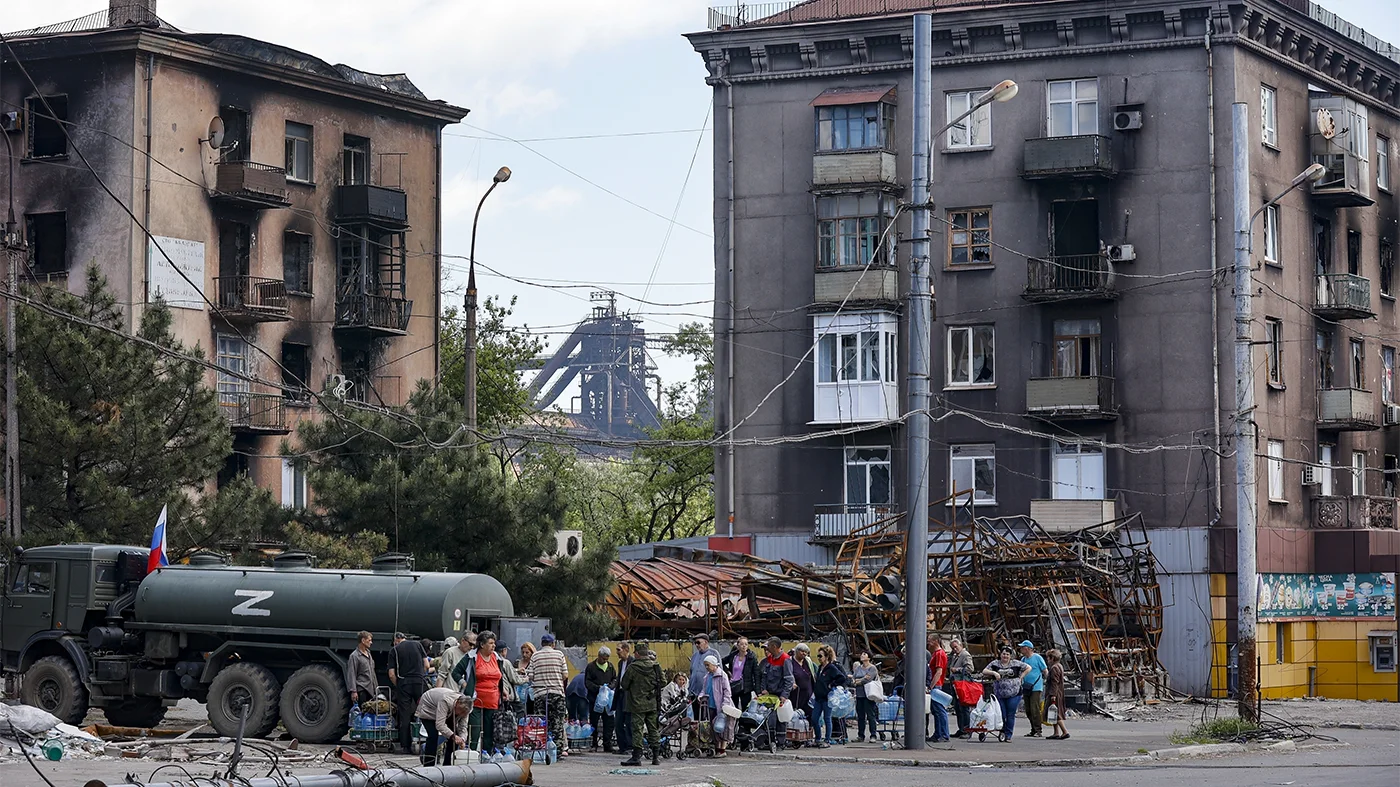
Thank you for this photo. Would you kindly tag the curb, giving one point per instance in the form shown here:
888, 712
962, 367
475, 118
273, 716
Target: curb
904, 762
1200, 750
1342, 725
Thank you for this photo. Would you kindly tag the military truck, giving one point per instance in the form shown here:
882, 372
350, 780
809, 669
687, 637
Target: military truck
85, 626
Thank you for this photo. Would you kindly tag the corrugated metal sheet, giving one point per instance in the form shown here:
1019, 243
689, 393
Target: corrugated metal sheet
1185, 646
794, 548
645, 551
841, 96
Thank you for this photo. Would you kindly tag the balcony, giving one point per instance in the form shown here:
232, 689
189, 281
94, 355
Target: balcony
878, 284
838, 522
381, 206
245, 184
1343, 296
1085, 156
1354, 513
1065, 516
1071, 398
252, 299
254, 413
1346, 410
1077, 277
381, 315
853, 167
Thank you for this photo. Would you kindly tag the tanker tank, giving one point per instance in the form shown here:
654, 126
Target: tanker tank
211, 599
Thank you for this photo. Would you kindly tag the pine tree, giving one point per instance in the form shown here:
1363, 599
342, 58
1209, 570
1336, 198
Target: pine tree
110, 430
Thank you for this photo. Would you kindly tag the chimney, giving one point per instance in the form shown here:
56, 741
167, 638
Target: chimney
121, 13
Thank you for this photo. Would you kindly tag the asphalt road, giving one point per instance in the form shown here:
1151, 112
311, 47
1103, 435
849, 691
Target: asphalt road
1372, 759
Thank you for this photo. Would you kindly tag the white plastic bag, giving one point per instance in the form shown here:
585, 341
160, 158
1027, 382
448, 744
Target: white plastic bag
987, 714
875, 691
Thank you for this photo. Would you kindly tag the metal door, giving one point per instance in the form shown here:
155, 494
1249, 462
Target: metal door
29, 604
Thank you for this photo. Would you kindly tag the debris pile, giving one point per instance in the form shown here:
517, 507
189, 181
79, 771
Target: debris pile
1092, 593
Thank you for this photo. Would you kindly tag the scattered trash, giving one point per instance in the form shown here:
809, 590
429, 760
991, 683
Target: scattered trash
634, 771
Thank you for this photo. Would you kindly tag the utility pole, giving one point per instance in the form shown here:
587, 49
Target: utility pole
917, 425
13, 248
1247, 579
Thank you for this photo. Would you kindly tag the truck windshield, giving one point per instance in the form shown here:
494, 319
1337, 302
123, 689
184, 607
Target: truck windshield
36, 578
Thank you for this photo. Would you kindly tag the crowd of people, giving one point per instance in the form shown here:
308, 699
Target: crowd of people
472, 694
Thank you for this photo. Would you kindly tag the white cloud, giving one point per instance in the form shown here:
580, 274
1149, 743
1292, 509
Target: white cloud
516, 98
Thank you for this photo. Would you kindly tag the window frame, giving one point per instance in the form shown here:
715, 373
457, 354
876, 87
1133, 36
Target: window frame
1383, 181
883, 124
353, 147
976, 453
294, 470
1327, 467
1386, 265
32, 234
1326, 359
970, 331
977, 121
296, 390
881, 253
1075, 102
1273, 348
1388, 376
227, 386
1356, 364
1357, 470
970, 230
1268, 116
303, 285
850, 460
1275, 451
1082, 343
1273, 247
293, 145
831, 357
36, 112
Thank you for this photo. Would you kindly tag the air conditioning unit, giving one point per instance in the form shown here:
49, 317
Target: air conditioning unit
1391, 416
338, 385
568, 543
11, 122
1123, 252
1127, 120
1312, 475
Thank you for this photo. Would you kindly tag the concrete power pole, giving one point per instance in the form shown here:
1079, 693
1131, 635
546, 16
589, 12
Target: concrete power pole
917, 427
1247, 579
14, 247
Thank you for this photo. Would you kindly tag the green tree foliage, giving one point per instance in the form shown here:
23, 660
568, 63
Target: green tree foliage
501, 398
411, 477
110, 430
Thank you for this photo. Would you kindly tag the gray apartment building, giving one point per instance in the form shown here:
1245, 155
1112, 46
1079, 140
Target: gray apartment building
295, 207
1082, 244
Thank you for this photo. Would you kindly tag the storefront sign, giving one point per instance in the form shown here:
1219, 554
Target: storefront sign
1327, 596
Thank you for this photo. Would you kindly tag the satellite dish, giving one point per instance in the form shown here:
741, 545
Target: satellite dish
1326, 126
216, 132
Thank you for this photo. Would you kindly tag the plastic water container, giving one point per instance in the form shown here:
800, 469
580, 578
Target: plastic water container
942, 698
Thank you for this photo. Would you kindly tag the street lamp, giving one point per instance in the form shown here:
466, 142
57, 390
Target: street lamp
920, 351
469, 349
1246, 479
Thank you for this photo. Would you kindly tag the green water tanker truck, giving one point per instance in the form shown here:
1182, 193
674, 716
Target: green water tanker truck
86, 626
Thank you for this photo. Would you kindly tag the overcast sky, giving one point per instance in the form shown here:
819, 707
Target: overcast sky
537, 69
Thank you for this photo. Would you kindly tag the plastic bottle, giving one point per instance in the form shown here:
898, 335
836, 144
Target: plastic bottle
551, 753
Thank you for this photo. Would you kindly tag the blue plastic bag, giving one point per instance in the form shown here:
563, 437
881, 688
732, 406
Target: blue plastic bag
603, 704
841, 704
525, 693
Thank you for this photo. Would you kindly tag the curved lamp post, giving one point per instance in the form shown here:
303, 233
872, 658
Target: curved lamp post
469, 352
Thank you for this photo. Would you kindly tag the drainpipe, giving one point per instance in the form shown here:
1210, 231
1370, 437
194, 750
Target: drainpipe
1214, 278
729, 329
437, 258
146, 188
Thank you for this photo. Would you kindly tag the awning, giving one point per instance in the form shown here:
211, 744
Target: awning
844, 96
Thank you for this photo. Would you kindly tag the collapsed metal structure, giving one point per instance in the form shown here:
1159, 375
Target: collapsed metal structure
1092, 593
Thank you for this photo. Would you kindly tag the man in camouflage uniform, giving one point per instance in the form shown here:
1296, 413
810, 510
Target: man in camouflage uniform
642, 685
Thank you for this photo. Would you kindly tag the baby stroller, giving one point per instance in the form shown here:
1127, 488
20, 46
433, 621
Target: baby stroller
677, 729
758, 729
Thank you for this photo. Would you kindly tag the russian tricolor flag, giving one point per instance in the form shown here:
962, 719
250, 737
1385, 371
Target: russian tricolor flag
158, 556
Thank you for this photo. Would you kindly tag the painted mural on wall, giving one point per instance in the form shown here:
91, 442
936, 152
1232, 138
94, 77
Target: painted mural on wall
1327, 596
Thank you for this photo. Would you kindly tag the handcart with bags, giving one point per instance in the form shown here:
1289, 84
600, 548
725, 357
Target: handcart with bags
372, 723
985, 718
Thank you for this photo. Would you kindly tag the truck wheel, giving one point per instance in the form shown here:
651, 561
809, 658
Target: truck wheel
315, 705
53, 684
243, 685
140, 712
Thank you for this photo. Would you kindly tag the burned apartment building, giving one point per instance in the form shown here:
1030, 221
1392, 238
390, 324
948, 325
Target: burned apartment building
293, 209
1082, 355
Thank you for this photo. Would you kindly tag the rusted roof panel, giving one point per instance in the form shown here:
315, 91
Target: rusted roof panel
843, 96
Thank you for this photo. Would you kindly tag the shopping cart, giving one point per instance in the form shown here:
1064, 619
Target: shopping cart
372, 724
890, 721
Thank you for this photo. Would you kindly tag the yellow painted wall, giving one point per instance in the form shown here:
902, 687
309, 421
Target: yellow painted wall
1340, 650
674, 656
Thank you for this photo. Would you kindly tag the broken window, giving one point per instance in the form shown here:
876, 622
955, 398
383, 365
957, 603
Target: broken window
1383, 162
1387, 277
973, 131
1388, 375
235, 248
294, 483
969, 236
867, 476
1073, 107
973, 468
1353, 252
855, 127
231, 356
1076, 348
1271, 235
296, 372
47, 114
1268, 114
354, 164
1358, 363
1322, 245
296, 262
848, 230
1324, 360
1275, 449
299, 164
1390, 475
236, 134
48, 243
971, 355
1273, 335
